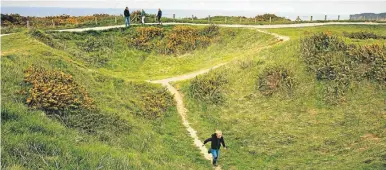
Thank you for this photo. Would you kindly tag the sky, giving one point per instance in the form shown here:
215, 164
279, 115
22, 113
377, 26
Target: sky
301, 6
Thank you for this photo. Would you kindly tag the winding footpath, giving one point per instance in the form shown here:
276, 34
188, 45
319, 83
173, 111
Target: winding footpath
178, 96
182, 111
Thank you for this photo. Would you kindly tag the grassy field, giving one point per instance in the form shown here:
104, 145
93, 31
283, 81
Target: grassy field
33, 139
297, 130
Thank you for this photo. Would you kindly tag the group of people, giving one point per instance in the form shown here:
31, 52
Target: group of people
126, 13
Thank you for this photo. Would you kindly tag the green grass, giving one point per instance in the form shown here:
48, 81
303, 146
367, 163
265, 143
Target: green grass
128, 63
277, 132
299, 131
31, 140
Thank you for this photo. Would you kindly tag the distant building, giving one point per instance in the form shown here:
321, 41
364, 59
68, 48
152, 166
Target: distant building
369, 16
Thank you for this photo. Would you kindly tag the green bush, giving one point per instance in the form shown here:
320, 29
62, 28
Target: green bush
209, 87
211, 31
275, 78
370, 61
154, 104
363, 35
314, 46
46, 39
332, 60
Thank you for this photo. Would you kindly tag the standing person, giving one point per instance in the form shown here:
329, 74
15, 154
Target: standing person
143, 16
159, 15
126, 13
216, 140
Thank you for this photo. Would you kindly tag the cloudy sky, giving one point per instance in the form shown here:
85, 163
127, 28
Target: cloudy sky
299, 6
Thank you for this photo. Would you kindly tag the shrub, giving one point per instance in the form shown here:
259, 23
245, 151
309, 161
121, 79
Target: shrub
95, 122
363, 35
46, 39
208, 87
54, 91
144, 36
333, 61
317, 44
274, 78
267, 17
210, 31
370, 61
185, 38
179, 40
155, 104
91, 44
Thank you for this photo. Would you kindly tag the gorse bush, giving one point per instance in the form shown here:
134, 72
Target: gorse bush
179, 40
155, 104
144, 36
186, 38
275, 78
332, 60
63, 99
54, 92
363, 35
209, 87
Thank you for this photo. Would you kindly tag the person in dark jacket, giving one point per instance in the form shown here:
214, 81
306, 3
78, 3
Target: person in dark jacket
143, 15
126, 13
159, 15
216, 140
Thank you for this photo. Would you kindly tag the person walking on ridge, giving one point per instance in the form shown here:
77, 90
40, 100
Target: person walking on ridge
159, 15
143, 16
216, 140
126, 13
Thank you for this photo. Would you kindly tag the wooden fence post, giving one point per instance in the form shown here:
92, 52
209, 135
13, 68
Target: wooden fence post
115, 20
325, 17
96, 21
174, 17
255, 20
270, 19
28, 24
209, 19
53, 23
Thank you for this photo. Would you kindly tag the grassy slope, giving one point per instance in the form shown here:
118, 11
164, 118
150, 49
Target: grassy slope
161, 144
128, 63
297, 132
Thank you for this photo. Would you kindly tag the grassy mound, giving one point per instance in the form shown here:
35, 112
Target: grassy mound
50, 124
144, 53
301, 130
